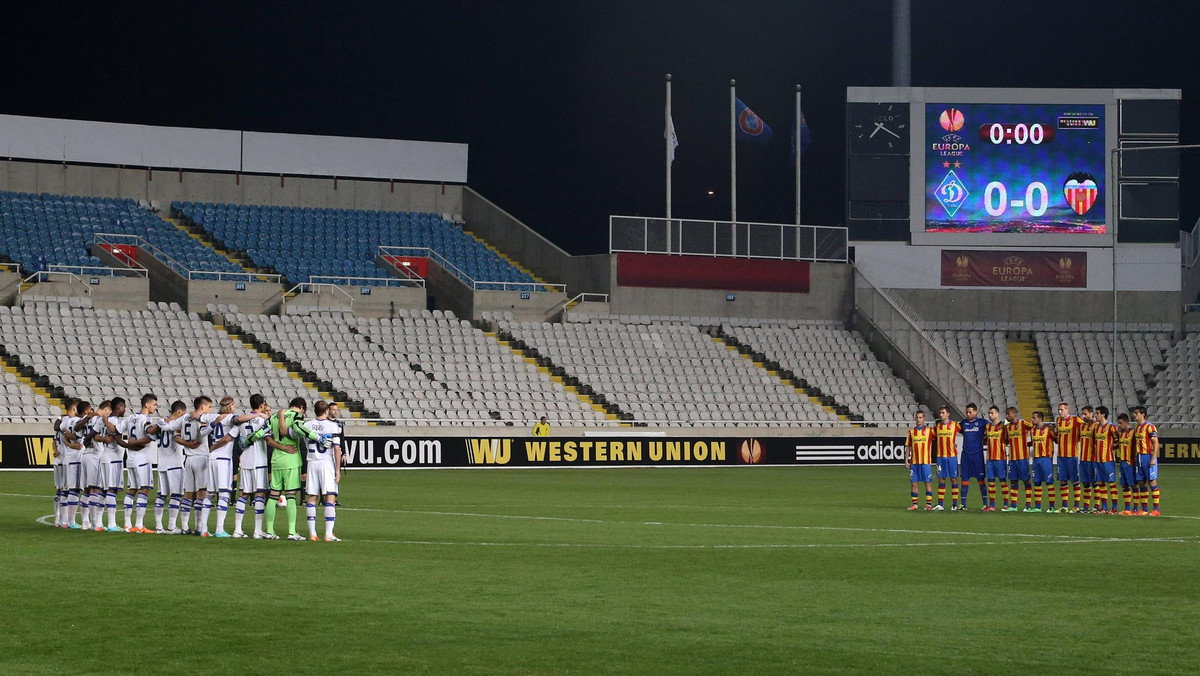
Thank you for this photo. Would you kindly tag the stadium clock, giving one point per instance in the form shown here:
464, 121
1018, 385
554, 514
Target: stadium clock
879, 128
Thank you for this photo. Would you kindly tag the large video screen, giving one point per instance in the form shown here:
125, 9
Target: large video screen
1015, 168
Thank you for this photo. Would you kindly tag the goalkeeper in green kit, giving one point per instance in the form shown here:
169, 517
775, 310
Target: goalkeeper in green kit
283, 434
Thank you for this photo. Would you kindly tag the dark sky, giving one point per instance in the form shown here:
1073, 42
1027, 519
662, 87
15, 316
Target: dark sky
562, 102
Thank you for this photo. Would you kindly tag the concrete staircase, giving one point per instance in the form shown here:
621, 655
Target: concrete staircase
507, 259
801, 386
1028, 378
200, 235
28, 376
559, 376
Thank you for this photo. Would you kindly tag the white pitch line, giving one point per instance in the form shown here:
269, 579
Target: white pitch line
589, 545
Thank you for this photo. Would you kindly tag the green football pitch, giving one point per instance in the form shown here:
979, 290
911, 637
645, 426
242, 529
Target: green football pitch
738, 570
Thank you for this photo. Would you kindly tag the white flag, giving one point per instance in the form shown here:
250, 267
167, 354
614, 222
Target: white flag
669, 134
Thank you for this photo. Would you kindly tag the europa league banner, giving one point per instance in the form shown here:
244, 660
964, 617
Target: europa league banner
1044, 269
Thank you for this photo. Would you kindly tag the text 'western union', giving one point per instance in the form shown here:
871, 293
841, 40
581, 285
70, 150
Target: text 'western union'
624, 451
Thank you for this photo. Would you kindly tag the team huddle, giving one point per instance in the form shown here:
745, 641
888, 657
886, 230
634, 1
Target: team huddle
1089, 452
100, 453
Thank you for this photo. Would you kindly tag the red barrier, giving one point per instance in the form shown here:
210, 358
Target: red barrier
418, 265
702, 272
123, 252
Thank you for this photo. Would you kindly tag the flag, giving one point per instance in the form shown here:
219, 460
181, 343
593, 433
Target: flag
669, 134
751, 127
805, 136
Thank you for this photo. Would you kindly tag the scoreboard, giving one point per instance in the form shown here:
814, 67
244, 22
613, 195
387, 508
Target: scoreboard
1010, 167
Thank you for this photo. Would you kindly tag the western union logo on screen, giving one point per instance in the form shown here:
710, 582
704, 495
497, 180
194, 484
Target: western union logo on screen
624, 451
489, 451
39, 451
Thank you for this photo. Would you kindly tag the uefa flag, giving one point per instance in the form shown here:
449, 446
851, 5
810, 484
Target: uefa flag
669, 134
750, 127
805, 136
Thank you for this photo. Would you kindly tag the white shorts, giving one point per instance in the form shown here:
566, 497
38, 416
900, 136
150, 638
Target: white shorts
253, 480
114, 474
195, 473
220, 474
60, 476
140, 476
170, 481
92, 476
73, 475
322, 479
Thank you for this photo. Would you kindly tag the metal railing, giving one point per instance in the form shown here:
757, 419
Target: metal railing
345, 280
122, 239
293, 293
475, 285
781, 241
903, 327
54, 276
1189, 242
99, 270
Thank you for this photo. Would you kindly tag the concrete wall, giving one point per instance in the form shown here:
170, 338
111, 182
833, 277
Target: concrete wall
536, 308
256, 298
831, 297
977, 305
107, 293
164, 186
580, 273
10, 285
380, 302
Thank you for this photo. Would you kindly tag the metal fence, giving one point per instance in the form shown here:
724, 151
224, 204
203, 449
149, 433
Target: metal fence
1189, 242
922, 348
818, 243
385, 251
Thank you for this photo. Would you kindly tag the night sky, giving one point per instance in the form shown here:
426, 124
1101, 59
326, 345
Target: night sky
562, 102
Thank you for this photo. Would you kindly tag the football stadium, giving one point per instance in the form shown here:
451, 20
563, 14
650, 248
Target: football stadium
461, 435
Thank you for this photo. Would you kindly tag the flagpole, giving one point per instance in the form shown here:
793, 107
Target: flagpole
799, 144
669, 128
733, 155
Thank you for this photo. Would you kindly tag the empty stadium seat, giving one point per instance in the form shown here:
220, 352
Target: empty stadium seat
39, 230
1078, 365
301, 243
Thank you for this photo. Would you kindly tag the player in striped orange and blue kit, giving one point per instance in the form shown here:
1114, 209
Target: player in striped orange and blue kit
1067, 430
1017, 435
1128, 460
1105, 479
997, 461
1145, 443
972, 455
945, 433
1042, 438
918, 460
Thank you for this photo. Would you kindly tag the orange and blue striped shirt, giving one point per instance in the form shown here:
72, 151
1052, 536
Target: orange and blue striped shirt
993, 441
947, 445
1106, 435
1043, 441
1018, 439
1067, 431
920, 441
1087, 441
1142, 435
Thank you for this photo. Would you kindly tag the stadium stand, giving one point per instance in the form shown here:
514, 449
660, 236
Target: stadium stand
983, 356
835, 360
665, 371
175, 354
1172, 399
301, 243
425, 366
39, 230
1078, 365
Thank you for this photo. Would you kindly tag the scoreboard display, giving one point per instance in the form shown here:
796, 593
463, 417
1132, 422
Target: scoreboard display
1006, 168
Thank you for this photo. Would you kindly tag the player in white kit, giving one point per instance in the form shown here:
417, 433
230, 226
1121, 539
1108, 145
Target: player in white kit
170, 472
61, 481
252, 477
139, 470
72, 465
222, 436
94, 467
112, 463
324, 471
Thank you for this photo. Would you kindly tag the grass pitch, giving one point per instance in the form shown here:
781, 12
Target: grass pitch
740, 570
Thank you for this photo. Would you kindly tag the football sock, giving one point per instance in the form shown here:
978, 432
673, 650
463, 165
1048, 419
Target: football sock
222, 509
1050, 495
1145, 499
110, 508
260, 503
291, 514
141, 501
330, 517
928, 498
941, 493
954, 493
1074, 494
271, 503
186, 513
239, 513
87, 510
966, 486
310, 510
1037, 501
173, 511
202, 518
1154, 497
159, 505
72, 505
914, 496
58, 503
127, 506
